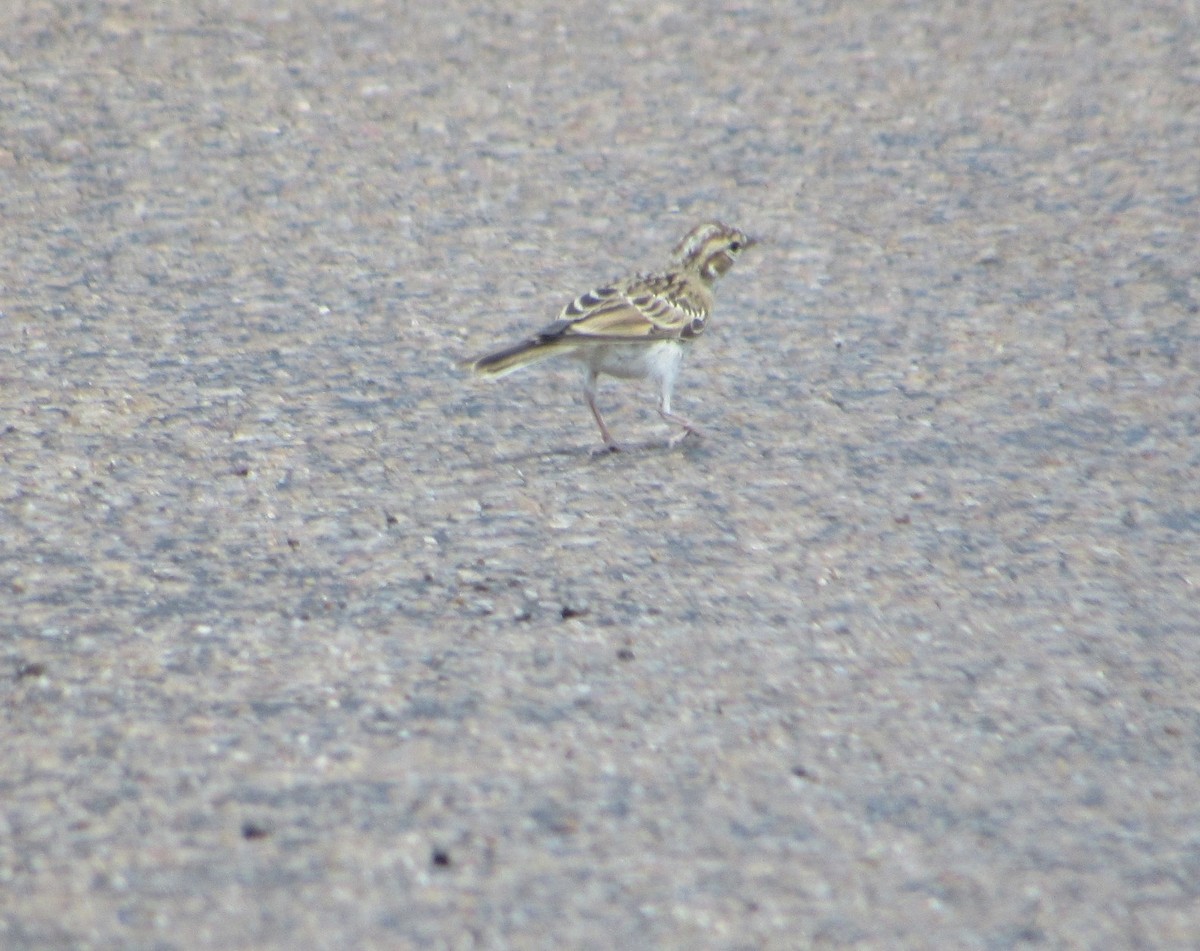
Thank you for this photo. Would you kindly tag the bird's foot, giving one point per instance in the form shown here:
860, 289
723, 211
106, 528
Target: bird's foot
683, 434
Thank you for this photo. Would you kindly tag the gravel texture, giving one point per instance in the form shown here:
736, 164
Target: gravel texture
310, 640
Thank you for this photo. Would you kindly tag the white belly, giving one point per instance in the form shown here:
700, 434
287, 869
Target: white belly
658, 361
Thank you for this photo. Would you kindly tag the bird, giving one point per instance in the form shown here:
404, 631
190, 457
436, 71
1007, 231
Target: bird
640, 327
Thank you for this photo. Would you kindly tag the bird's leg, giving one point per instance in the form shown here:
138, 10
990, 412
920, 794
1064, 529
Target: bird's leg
589, 391
664, 410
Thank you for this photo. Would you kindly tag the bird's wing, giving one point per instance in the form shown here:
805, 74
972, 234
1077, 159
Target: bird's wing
662, 307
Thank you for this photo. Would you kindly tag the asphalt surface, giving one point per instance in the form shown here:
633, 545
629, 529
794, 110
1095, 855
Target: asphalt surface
308, 639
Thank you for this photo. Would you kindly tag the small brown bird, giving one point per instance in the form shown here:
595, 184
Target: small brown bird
639, 328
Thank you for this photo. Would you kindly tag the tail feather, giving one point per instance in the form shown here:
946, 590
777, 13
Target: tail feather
520, 355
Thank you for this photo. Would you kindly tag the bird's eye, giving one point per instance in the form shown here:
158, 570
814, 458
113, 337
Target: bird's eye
735, 246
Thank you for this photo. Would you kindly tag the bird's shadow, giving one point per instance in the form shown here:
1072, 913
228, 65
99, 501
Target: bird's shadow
689, 447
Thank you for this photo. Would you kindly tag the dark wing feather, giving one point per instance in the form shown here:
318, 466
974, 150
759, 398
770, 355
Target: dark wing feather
661, 307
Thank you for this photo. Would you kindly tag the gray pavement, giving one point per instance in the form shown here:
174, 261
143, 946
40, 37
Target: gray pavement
309, 640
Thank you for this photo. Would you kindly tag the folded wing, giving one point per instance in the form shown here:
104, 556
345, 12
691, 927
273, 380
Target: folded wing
647, 307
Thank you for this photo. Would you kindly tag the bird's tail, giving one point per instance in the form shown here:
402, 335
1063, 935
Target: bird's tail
512, 358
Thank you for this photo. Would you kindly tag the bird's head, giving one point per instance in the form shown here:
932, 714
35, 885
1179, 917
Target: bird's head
711, 248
